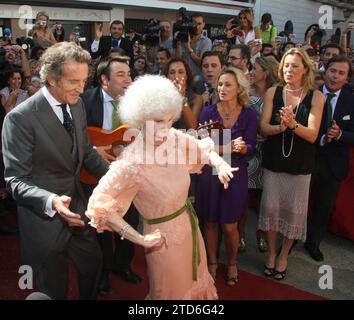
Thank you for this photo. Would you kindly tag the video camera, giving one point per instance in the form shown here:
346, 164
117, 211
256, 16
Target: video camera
152, 32
25, 43
185, 26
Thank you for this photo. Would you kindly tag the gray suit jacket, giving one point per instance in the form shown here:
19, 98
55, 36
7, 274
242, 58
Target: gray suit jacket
38, 161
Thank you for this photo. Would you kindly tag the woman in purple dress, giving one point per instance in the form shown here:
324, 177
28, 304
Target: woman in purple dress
214, 204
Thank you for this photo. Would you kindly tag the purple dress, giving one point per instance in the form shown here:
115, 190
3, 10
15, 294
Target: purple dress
213, 202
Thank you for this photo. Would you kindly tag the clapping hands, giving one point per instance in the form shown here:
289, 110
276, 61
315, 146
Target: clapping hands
287, 118
239, 145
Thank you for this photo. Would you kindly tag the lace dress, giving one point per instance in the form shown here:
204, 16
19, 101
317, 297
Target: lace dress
157, 191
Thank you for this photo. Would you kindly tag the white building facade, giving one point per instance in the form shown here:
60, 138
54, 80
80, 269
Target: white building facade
302, 13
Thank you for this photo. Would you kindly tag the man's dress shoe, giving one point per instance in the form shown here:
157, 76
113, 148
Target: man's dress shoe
103, 286
314, 253
128, 275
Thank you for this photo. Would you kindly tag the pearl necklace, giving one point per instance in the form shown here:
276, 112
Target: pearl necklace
292, 133
293, 90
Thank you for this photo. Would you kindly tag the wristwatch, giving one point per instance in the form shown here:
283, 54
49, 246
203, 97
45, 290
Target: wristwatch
296, 126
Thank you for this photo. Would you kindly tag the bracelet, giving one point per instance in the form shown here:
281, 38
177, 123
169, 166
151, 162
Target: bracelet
191, 51
124, 230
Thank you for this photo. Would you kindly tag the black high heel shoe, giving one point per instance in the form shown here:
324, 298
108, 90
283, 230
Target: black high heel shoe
231, 280
268, 271
212, 271
279, 275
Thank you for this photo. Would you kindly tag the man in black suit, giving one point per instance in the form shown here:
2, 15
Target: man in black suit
101, 45
45, 144
114, 78
335, 137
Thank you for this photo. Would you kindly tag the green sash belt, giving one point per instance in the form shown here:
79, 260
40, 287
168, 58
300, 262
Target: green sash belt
194, 224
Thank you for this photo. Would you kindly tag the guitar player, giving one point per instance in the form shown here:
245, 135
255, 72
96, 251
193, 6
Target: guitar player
101, 103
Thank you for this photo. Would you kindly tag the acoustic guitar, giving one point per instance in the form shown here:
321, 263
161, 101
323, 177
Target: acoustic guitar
209, 129
118, 138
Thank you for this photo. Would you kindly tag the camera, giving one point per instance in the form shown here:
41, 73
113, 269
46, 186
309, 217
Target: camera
25, 43
42, 23
152, 32
78, 35
185, 26
237, 32
282, 40
232, 28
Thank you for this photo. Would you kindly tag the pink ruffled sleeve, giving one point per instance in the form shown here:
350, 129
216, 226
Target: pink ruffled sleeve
114, 193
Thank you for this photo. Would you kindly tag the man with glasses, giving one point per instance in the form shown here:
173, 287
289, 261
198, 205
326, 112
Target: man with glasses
239, 57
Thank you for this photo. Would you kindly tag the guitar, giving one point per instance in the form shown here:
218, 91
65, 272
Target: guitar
209, 129
118, 138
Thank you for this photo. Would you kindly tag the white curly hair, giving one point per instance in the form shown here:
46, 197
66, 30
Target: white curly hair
148, 97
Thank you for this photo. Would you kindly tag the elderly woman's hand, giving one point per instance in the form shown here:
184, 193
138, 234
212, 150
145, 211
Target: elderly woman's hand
225, 174
154, 239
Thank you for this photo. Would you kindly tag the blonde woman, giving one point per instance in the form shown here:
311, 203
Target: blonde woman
290, 120
42, 36
215, 205
263, 76
246, 26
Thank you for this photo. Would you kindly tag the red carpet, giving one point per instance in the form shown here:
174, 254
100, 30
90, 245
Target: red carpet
249, 287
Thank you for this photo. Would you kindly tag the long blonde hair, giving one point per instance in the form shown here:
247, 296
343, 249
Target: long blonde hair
308, 78
249, 15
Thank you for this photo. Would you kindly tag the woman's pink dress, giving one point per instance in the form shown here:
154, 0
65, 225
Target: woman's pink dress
158, 191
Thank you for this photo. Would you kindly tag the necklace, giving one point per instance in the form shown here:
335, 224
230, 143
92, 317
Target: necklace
227, 115
292, 133
293, 90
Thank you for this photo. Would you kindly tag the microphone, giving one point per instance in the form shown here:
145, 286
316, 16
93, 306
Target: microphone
38, 296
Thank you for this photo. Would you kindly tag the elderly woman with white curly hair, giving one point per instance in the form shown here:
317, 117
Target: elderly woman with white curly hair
153, 172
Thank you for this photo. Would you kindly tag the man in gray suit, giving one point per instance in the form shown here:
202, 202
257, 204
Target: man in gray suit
45, 145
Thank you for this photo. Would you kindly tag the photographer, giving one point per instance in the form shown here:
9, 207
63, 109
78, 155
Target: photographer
13, 56
102, 44
42, 36
166, 38
195, 45
78, 37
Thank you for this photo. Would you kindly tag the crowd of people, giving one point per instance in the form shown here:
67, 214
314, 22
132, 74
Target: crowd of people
286, 107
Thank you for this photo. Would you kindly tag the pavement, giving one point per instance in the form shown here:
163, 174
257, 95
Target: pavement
303, 272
